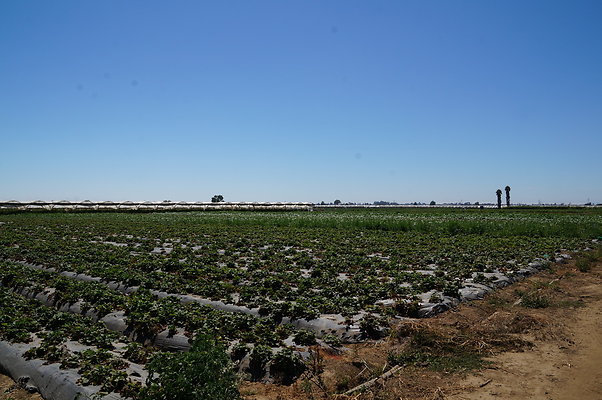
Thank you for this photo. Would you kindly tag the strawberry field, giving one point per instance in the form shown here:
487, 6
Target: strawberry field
110, 300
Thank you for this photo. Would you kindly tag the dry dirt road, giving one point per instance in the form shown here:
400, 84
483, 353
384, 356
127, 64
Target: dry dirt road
565, 367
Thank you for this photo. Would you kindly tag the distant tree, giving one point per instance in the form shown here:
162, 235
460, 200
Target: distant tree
507, 189
476, 203
385, 203
337, 202
433, 203
499, 198
218, 198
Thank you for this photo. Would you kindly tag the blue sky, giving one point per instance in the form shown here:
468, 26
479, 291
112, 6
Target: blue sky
301, 100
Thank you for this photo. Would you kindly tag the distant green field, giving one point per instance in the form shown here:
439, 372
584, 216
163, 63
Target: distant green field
349, 258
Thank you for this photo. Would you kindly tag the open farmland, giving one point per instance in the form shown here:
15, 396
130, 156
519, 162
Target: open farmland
114, 290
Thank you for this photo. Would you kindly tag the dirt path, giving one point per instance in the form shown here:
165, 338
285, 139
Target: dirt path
555, 369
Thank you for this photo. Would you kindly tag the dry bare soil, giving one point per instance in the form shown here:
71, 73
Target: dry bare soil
9, 390
538, 339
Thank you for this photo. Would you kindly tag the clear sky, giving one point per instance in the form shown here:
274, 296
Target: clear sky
301, 100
